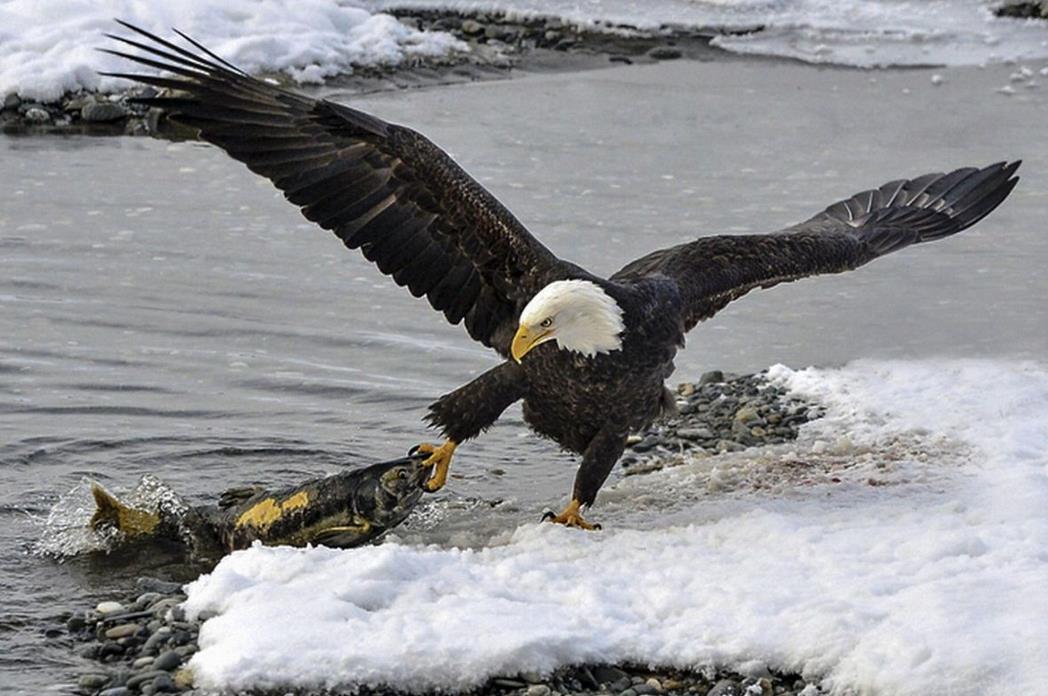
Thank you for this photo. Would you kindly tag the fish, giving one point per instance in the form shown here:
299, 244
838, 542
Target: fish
344, 510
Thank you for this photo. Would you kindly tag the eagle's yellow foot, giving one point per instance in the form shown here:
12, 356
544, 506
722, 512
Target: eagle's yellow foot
571, 517
440, 459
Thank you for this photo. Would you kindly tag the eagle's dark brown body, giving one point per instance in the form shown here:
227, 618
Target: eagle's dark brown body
410, 209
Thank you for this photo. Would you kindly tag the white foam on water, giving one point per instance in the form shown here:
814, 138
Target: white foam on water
49, 48
867, 34
919, 570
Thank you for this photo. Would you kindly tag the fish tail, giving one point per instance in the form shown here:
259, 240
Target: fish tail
110, 512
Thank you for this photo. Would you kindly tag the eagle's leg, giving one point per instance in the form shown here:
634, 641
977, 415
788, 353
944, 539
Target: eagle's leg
440, 459
597, 462
469, 410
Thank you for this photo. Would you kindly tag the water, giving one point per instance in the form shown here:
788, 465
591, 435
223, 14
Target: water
164, 311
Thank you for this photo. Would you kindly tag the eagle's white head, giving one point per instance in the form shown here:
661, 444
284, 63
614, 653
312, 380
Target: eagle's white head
577, 314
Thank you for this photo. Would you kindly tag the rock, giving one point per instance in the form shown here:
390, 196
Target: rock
102, 112
146, 677
37, 115
711, 377
167, 661
115, 691
665, 53
11, 101
142, 662
92, 682
747, 415
184, 679
163, 684
538, 690
608, 674
695, 433
531, 677
472, 27
644, 689
509, 683
725, 687
654, 683
76, 623
122, 631
104, 608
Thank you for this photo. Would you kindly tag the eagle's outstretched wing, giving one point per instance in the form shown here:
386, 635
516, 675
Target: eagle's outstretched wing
712, 271
382, 188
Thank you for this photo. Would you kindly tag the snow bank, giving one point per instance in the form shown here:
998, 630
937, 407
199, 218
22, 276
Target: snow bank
48, 48
868, 33
936, 585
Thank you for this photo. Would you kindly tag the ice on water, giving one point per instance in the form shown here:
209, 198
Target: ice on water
896, 547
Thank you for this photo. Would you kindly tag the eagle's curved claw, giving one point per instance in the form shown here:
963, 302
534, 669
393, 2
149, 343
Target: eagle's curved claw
570, 517
440, 459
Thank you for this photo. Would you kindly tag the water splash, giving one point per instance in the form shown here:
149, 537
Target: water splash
66, 531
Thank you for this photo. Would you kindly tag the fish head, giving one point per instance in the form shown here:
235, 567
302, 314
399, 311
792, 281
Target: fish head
404, 477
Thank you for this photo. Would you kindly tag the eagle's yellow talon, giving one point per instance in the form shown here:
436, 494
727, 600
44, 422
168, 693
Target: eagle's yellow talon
440, 459
571, 517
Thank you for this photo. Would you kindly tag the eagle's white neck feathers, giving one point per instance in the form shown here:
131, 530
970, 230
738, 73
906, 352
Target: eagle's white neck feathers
584, 318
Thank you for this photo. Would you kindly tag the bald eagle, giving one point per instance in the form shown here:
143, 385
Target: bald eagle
587, 355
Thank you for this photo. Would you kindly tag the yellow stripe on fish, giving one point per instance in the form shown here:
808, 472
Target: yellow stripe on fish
266, 512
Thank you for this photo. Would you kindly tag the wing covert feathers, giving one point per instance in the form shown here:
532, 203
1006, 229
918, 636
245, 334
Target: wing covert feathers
381, 188
713, 271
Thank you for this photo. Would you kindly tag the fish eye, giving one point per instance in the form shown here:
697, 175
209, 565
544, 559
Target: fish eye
547, 322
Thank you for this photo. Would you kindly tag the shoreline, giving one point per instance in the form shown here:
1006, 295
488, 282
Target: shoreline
141, 643
500, 47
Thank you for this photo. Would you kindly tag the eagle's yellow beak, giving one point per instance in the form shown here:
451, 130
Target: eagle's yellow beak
527, 338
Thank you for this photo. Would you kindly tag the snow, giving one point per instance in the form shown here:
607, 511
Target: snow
869, 33
932, 581
49, 48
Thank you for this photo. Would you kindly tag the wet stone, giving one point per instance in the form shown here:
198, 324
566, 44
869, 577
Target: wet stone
109, 608
665, 53
726, 687
122, 631
145, 677
102, 112
538, 690
115, 691
91, 682
167, 661
711, 377
164, 684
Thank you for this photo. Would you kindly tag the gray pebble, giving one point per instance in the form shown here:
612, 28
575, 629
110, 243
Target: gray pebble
695, 433
167, 661
92, 682
164, 684
725, 687
12, 101
146, 677
472, 27
122, 631
644, 689
141, 662
102, 112
711, 377
115, 691
538, 690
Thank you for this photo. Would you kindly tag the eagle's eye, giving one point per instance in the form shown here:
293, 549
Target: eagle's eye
547, 322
